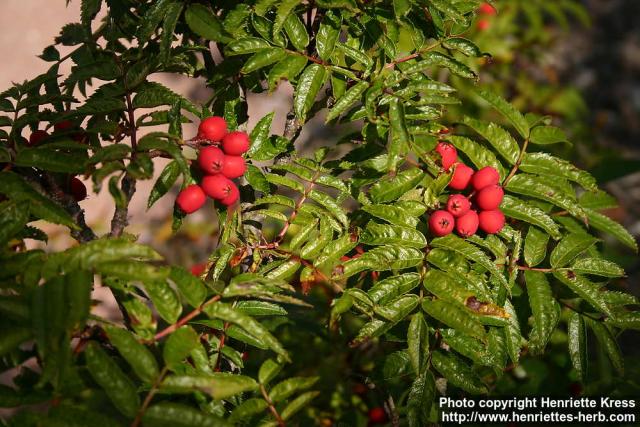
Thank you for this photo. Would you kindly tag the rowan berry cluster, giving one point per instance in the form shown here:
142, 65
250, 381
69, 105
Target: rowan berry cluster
221, 162
72, 184
465, 213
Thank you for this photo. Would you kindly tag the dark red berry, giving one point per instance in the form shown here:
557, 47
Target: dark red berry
448, 154
78, 189
462, 174
491, 222
233, 166
485, 177
441, 223
210, 160
63, 126
198, 269
486, 9
458, 205
232, 197
467, 224
37, 137
217, 186
483, 25
489, 198
191, 199
377, 415
235, 143
212, 128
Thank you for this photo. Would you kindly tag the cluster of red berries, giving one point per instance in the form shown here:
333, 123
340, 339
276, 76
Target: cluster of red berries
221, 162
462, 211
74, 185
487, 10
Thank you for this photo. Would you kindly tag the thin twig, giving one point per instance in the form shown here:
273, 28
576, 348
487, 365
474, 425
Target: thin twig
154, 388
171, 329
272, 408
515, 167
299, 204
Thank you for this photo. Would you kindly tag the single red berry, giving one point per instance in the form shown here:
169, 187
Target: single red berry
462, 174
233, 166
441, 223
191, 199
63, 126
377, 415
345, 258
37, 137
78, 189
217, 186
489, 198
198, 269
245, 355
485, 177
486, 9
483, 25
232, 197
458, 205
212, 128
210, 160
467, 224
360, 389
448, 154
491, 222
235, 143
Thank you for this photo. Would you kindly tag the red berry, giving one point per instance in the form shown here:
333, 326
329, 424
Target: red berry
458, 205
491, 222
37, 137
489, 198
217, 186
233, 166
235, 143
210, 160
441, 223
63, 126
191, 199
448, 153
377, 415
461, 176
483, 24
485, 177
78, 189
198, 269
212, 128
234, 195
486, 9
467, 224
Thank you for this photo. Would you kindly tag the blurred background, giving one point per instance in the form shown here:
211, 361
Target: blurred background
577, 61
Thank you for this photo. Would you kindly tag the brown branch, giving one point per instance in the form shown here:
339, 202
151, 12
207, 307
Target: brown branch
145, 404
171, 329
413, 55
272, 408
299, 204
515, 167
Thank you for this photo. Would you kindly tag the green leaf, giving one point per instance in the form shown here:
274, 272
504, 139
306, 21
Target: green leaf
268, 371
469, 251
13, 218
219, 385
479, 155
597, 267
535, 246
457, 372
547, 165
570, 247
247, 409
393, 214
518, 209
455, 317
331, 205
247, 45
11, 338
137, 355
169, 414
418, 342
298, 404
545, 135
398, 309
507, 110
545, 309
52, 159
282, 12
119, 388
309, 84
296, 31
263, 58
432, 58
179, 345
389, 188
288, 69
420, 400
355, 54
462, 45
608, 342
388, 289
384, 234
512, 334
604, 223
260, 308
499, 138
163, 184
533, 186
190, 286
228, 314
283, 390
577, 341
202, 21
165, 300
590, 292
328, 34
352, 96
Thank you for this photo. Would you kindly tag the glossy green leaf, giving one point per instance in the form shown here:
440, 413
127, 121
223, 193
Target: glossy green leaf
608, 341
545, 309
457, 372
545, 135
507, 110
384, 234
170, 414
548, 165
137, 355
597, 267
263, 58
535, 246
585, 289
499, 138
454, 316
309, 84
179, 345
219, 385
604, 223
577, 341
328, 34
205, 23
570, 247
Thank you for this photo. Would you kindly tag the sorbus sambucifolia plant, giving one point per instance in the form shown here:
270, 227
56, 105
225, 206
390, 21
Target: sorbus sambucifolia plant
403, 256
